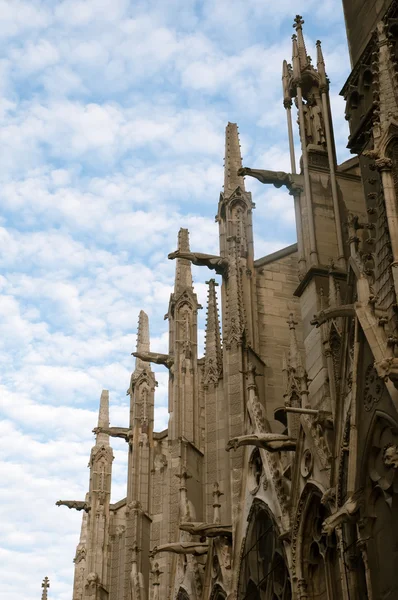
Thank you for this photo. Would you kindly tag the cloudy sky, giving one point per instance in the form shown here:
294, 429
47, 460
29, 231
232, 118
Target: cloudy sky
112, 118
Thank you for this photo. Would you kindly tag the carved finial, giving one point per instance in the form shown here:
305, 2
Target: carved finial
103, 419
233, 160
45, 585
298, 22
183, 277
156, 573
213, 350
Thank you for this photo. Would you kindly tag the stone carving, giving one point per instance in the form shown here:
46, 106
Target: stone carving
373, 389
80, 555
314, 122
329, 496
390, 456
92, 580
271, 442
388, 368
118, 432
209, 530
350, 507
76, 504
276, 178
347, 310
45, 585
317, 432
383, 467
195, 548
307, 461
217, 263
155, 357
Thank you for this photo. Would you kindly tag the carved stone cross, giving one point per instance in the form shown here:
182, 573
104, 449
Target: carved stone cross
298, 22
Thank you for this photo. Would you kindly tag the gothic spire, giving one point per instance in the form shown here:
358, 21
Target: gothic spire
183, 277
103, 419
142, 341
294, 354
233, 160
287, 101
302, 51
295, 59
213, 351
320, 65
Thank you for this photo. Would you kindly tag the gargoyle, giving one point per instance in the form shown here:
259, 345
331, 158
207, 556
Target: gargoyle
273, 442
390, 456
195, 548
388, 367
276, 178
159, 359
325, 419
76, 504
346, 310
209, 530
118, 432
217, 263
345, 512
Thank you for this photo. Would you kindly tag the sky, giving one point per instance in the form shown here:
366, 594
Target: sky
112, 120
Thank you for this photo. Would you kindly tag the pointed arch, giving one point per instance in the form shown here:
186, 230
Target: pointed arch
379, 479
218, 593
263, 565
182, 594
314, 554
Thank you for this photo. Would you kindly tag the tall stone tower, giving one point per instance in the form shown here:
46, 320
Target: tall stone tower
277, 475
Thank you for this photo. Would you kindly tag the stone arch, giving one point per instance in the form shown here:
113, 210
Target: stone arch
182, 594
379, 513
314, 554
263, 567
218, 593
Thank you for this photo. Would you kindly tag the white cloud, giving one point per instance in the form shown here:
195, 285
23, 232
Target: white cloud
111, 134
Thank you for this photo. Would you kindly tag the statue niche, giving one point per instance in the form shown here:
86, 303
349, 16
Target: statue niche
263, 570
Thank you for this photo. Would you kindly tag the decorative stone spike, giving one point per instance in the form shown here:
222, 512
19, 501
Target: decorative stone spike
103, 419
142, 341
233, 160
295, 59
320, 65
213, 350
287, 101
294, 350
183, 277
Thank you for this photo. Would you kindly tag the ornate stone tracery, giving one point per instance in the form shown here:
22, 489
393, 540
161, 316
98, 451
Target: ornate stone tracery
263, 566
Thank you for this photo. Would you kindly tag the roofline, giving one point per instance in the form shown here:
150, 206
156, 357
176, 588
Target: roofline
265, 260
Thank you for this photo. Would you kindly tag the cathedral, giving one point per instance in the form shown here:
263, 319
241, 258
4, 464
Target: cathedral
277, 477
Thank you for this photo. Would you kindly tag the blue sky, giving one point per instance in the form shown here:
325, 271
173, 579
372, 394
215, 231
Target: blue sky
112, 118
